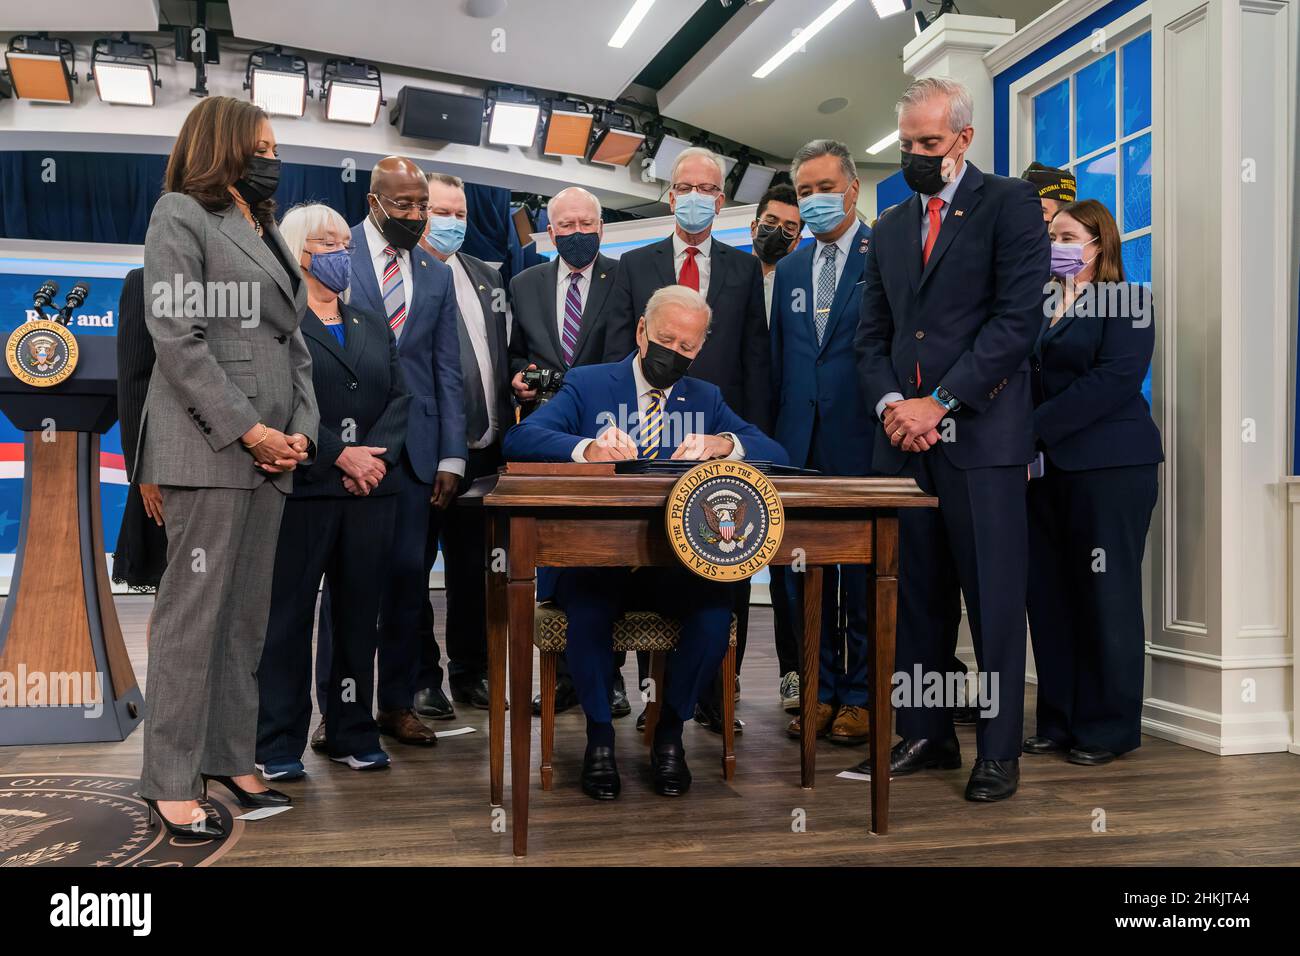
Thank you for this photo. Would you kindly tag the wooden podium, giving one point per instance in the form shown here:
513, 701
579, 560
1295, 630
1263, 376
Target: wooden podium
582, 515
59, 637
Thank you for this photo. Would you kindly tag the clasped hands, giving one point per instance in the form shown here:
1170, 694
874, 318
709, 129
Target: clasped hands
913, 424
273, 451
614, 444
362, 468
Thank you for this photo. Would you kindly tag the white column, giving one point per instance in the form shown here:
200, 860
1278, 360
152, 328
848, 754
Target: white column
1220, 652
953, 47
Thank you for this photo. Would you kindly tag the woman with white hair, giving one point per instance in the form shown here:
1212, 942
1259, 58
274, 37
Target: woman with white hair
339, 520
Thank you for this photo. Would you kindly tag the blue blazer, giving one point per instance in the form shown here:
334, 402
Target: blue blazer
429, 351
969, 318
1087, 375
819, 384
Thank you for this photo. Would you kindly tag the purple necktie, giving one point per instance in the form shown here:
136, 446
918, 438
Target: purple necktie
572, 318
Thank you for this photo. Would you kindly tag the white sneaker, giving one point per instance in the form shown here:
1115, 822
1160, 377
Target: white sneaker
790, 692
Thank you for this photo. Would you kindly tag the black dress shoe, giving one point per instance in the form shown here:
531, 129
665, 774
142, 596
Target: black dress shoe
1041, 745
709, 713
965, 715
565, 698
247, 798
672, 777
433, 703
1089, 756
600, 774
921, 753
473, 691
198, 830
619, 705
992, 780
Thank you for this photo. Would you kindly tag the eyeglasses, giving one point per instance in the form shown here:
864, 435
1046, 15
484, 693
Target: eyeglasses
770, 226
708, 189
330, 245
404, 205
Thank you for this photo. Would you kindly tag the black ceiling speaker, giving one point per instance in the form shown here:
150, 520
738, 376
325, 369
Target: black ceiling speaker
433, 114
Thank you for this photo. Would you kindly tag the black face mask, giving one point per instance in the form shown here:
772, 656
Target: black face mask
924, 174
771, 244
663, 367
260, 179
403, 234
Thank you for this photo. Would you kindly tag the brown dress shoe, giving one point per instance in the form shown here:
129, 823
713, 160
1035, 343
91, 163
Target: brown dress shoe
851, 727
825, 713
406, 727
318, 736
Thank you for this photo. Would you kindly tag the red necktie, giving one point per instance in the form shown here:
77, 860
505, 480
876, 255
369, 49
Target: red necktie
690, 275
933, 207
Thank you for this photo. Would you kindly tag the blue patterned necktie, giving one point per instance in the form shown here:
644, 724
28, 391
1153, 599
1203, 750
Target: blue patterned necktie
652, 424
825, 291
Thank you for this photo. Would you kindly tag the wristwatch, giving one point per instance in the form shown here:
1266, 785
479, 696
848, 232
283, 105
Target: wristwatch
946, 398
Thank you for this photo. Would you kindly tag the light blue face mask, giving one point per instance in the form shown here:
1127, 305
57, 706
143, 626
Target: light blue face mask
822, 211
446, 233
695, 211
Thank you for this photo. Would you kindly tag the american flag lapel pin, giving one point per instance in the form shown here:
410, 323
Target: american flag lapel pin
957, 212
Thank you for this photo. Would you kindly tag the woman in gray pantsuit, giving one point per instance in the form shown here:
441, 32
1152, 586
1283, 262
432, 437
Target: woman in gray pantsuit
229, 414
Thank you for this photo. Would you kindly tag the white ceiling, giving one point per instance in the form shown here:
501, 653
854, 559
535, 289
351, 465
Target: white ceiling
559, 45
858, 58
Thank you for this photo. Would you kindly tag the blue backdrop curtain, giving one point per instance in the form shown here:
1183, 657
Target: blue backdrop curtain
106, 197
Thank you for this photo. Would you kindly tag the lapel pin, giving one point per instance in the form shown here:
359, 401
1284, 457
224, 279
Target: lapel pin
602, 275
355, 320
957, 212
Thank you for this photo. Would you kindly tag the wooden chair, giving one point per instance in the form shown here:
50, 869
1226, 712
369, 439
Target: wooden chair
634, 631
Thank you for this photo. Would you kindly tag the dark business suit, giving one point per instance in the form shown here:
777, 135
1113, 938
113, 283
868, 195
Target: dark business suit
536, 334
141, 554
328, 531
429, 351
966, 320
461, 531
1102, 453
594, 598
823, 422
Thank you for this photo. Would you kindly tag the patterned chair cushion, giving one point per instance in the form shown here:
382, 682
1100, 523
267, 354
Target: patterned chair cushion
634, 631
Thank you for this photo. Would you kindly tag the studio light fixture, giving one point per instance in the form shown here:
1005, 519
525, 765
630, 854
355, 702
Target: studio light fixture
884, 143
891, 8
277, 81
614, 139
568, 128
512, 118
353, 92
42, 68
124, 72
803, 37
728, 162
663, 151
923, 21
630, 22
749, 179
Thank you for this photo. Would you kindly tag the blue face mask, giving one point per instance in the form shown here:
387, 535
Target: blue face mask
578, 249
822, 212
695, 211
332, 269
446, 233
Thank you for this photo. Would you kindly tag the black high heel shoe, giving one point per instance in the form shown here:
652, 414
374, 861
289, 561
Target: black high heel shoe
209, 829
246, 798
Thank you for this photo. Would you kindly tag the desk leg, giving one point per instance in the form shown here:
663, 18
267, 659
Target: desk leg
882, 616
521, 600
496, 629
812, 648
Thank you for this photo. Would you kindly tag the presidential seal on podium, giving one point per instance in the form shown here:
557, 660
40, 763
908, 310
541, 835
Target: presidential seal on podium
724, 520
41, 353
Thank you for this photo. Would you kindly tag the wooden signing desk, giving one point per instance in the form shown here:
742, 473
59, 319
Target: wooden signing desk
583, 515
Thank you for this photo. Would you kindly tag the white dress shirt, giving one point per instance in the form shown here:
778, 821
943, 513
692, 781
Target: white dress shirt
671, 430
379, 259
701, 260
769, 280
562, 281
946, 194
471, 313
844, 245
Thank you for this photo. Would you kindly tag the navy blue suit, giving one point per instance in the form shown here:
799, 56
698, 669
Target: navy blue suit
823, 422
1100, 482
967, 320
429, 352
592, 398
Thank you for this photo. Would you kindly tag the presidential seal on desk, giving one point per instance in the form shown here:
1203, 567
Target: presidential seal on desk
724, 520
41, 353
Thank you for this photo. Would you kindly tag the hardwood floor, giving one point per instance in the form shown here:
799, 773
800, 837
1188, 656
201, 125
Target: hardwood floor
1164, 804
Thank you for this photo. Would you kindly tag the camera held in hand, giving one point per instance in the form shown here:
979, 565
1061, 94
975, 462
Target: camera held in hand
546, 381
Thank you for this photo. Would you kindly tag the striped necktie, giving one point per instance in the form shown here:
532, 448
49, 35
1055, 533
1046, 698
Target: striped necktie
825, 291
652, 424
572, 318
394, 293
